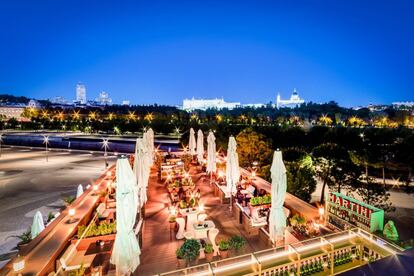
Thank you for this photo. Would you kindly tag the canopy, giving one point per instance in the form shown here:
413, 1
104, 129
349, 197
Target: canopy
151, 147
79, 192
126, 251
192, 142
277, 217
37, 225
232, 166
200, 146
211, 153
141, 171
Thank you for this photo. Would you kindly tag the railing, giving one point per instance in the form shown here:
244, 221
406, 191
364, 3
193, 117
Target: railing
291, 257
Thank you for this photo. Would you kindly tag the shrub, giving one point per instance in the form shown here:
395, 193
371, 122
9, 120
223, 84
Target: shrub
224, 245
237, 242
191, 249
208, 248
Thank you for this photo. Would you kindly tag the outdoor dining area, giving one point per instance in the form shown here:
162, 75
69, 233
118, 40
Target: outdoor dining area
221, 220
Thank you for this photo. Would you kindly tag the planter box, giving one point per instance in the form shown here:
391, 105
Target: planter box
85, 242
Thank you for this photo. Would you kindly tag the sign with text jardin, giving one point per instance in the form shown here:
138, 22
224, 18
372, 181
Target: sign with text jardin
354, 212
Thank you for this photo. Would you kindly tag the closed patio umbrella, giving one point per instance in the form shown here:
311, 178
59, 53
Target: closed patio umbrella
277, 216
200, 146
211, 153
37, 225
141, 162
192, 142
79, 191
126, 251
151, 147
232, 166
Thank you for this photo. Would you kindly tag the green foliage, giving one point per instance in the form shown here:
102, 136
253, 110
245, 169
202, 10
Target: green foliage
69, 199
224, 245
252, 146
261, 200
190, 249
208, 248
78, 272
50, 217
25, 237
237, 242
172, 219
183, 204
104, 228
180, 253
375, 194
300, 180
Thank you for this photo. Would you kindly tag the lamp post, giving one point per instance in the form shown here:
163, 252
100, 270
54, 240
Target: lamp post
105, 145
46, 142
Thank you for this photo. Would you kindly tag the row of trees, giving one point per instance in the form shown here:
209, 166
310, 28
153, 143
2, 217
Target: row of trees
333, 164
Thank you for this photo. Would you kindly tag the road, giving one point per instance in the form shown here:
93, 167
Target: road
28, 183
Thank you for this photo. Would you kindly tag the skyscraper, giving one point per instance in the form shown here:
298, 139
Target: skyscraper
80, 93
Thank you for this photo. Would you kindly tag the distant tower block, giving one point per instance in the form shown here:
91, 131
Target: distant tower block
81, 93
294, 100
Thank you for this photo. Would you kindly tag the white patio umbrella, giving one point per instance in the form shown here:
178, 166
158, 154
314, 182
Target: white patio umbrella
37, 225
232, 166
151, 147
141, 162
277, 216
126, 251
79, 191
192, 142
200, 146
211, 153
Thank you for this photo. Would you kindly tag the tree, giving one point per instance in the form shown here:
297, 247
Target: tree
251, 147
334, 167
374, 194
300, 180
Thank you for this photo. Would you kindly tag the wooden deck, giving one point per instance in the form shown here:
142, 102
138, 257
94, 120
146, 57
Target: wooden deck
159, 244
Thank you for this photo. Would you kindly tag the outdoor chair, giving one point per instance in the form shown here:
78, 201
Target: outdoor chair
181, 225
212, 234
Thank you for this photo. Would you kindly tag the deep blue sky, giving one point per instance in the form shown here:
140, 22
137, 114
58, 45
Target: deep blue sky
354, 52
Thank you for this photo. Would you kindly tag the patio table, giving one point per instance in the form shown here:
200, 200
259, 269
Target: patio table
97, 248
200, 232
191, 217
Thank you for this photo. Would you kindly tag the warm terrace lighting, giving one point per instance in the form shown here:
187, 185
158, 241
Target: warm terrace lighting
18, 264
108, 174
201, 208
71, 212
186, 175
253, 174
95, 188
220, 174
321, 211
173, 211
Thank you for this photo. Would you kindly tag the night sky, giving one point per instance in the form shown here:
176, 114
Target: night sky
354, 52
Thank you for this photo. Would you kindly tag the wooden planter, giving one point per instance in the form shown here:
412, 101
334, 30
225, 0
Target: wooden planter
85, 242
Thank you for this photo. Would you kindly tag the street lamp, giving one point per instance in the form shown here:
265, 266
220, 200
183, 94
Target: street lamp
105, 145
46, 142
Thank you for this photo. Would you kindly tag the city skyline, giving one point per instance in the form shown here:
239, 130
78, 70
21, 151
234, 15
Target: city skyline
246, 52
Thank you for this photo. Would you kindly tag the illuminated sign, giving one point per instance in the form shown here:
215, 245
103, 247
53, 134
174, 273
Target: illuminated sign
354, 212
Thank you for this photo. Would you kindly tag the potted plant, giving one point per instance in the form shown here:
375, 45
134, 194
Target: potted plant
180, 257
209, 252
172, 221
191, 250
224, 246
237, 243
24, 238
68, 200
